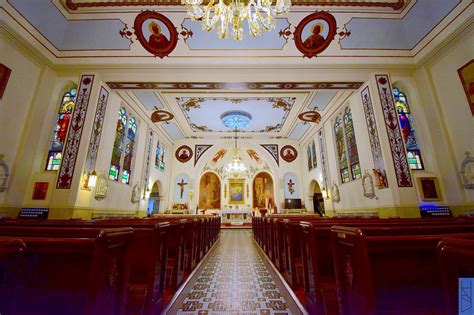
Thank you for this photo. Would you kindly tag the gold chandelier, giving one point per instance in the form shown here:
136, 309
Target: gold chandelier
260, 15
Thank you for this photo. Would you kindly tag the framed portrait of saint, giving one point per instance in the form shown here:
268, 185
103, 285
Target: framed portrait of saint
288, 153
184, 153
466, 75
156, 33
315, 33
429, 188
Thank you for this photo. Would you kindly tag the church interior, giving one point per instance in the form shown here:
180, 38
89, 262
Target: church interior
236, 157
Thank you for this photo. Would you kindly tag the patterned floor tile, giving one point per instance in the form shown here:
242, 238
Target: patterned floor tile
235, 279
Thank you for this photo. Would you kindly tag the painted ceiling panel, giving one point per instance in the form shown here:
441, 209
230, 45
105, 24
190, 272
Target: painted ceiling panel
71, 35
204, 113
299, 131
210, 41
406, 33
321, 100
173, 131
149, 99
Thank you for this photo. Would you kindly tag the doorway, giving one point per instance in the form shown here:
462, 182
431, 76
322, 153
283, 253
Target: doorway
154, 200
318, 198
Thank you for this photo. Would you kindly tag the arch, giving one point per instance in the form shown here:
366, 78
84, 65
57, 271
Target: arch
263, 188
155, 198
316, 197
209, 191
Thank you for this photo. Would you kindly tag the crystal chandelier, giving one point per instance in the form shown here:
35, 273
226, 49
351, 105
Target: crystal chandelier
260, 14
236, 167
236, 119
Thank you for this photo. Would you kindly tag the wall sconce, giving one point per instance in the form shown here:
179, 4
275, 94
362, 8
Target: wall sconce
92, 181
147, 193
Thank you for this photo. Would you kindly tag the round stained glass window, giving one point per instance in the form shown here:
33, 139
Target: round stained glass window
236, 119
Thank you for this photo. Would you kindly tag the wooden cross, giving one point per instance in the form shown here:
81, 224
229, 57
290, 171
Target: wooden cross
181, 185
290, 186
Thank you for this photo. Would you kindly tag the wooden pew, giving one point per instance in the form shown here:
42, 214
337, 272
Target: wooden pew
73, 272
12, 271
389, 270
456, 260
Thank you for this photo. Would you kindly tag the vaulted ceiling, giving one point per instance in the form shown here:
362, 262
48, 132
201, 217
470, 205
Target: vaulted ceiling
93, 34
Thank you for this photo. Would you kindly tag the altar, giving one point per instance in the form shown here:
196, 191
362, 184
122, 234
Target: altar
236, 216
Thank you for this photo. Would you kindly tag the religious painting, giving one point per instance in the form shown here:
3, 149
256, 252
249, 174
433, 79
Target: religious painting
253, 155
199, 150
181, 190
466, 74
209, 191
288, 153
40, 190
236, 191
219, 155
184, 154
315, 33
4, 76
156, 33
429, 188
263, 191
291, 188
160, 156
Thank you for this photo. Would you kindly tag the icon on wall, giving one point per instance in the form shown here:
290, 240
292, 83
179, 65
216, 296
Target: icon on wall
315, 33
184, 153
288, 153
156, 33
40, 190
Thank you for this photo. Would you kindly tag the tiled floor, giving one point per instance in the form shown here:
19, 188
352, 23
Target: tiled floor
235, 278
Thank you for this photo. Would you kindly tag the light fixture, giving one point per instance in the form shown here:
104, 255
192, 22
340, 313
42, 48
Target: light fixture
147, 193
236, 119
260, 15
324, 192
92, 181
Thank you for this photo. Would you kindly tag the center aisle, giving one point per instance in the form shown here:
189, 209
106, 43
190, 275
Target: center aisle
235, 278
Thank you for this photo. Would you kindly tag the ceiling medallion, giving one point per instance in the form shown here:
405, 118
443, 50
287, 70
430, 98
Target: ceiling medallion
311, 116
161, 116
184, 153
236, 119
260, 15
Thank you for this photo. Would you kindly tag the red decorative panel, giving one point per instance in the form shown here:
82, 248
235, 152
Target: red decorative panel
4, 76
96, 133
400, 162
66, 172
40, 190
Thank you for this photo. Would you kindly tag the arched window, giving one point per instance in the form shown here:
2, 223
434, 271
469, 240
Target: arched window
58, 138
130, 144
122, 152
351, 144
407, 128
341, 150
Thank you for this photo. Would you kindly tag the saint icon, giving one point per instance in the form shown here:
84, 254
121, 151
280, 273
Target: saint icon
157, 40
315, 40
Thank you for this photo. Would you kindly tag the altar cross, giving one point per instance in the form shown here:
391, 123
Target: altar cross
181, 186
290, 186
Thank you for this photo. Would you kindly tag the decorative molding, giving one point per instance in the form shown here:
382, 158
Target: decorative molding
95, 135
379, 166
323, 158
467, 171
199, 150
6, 174
235, 86
400, 162
102, 187
66, 172
273, 150
311, 116
161, 116
77, 4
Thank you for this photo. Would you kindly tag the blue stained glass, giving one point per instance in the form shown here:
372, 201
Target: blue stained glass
236, 119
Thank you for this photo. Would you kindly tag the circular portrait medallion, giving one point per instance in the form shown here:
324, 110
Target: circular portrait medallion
288, 153
315, 33
184, 154
156, 33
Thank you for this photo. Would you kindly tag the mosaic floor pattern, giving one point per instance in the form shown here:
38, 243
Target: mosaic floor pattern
235, 278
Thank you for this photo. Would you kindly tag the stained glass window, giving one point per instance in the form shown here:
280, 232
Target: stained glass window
163, 158
130, 143
407, 128
351, 144
313, 153
341, 150
122, 152
61, 128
